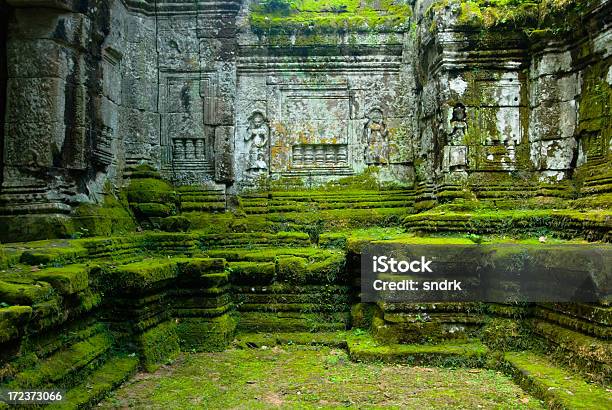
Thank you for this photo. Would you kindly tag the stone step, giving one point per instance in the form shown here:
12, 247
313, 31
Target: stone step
203, 206
62, 368
257, 238
467, 353
261, 340
287, 322
99, 383
558, 387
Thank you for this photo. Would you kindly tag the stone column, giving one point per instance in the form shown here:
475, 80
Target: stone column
44, 132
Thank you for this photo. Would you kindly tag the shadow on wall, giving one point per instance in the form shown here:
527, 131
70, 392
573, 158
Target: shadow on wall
4, 12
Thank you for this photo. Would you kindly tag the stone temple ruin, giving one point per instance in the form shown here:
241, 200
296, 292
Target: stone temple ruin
177, 173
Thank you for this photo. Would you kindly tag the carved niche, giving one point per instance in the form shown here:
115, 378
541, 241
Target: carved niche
455, 155
310, 122
187, 142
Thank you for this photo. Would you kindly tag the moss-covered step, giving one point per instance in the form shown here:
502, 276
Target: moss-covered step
305, 201
589, 355
47, 252
158, 345
298, 266
64, 366
425, 327
197, 334
13, 321
591, 224
266, 322
201, 199
596, 323
471, 353
262, 340
151, 197
98, 384
558, 387
152, 273
259, 239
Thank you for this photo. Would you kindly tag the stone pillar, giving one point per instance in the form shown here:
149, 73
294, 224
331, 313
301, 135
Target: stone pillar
216, 27
4, 14
44, 133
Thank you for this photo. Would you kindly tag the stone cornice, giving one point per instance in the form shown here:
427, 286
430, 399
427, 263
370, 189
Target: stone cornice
201, 7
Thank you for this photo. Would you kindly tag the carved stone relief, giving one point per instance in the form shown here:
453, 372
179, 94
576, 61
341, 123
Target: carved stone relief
185, 144
375, 136
257, 137
455, 151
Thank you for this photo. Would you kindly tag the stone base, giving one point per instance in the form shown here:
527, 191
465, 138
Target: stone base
17, 228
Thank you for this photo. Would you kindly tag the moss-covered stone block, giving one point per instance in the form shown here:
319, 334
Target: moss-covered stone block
66, 281
197, 267
158, 345
13, 322
111, 217
362, 315
52, 252
25, 293
292, 269
507, 334
252, 273
177, 223
61, 367
293, 321
98, 384
15, 228
206, 334
142, 275
153, 210
150, 190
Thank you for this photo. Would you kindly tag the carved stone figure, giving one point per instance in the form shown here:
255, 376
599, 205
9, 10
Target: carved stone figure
455, 154
375, 136
458, 125
257, 135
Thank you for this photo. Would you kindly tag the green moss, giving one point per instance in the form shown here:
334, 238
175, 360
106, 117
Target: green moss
582, 352
151, 197
472, 354
52, 252
158, 345
362, 315
175, 224
110, 218
259, 273
13, 321
99, 384
143, 275
206, 335
58, 368
559, 388
286, 16
292, 321
506, 334
533, 17
35, 227
262, 340
67, 280
25, 293
150, 190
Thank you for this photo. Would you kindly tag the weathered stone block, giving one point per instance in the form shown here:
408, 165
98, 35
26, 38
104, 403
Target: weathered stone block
35, 100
